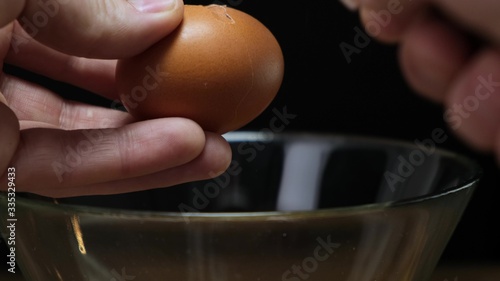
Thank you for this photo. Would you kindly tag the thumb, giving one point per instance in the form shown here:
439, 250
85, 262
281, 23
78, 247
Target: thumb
9, 135
9, 10
108, 29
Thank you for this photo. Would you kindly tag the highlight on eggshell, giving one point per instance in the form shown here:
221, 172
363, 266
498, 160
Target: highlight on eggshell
221, 68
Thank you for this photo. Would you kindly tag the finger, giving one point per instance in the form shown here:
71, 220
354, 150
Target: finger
56, 159
473, 102
96, 76
387, 20
9, 10
480, 16
352, 5
9, 135
5, 39
431, 55
34, 103
213, 161
101, 28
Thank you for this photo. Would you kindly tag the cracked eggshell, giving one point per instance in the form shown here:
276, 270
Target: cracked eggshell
221, 68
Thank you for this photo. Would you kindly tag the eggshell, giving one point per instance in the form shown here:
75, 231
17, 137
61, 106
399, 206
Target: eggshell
221, 68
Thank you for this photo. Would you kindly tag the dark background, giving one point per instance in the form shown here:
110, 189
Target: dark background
367, 96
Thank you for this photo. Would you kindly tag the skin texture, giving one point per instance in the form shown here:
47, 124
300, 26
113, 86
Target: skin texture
448, 49
62, 148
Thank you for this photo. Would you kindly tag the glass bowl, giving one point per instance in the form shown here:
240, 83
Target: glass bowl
291, 207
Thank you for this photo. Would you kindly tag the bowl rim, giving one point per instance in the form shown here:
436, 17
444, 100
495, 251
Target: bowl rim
267, 136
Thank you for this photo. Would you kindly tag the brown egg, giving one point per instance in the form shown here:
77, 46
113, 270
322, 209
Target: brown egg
221, 68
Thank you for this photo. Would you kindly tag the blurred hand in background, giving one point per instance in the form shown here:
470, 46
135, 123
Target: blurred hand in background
449, 51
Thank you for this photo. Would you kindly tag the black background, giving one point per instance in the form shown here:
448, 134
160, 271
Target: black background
367, 96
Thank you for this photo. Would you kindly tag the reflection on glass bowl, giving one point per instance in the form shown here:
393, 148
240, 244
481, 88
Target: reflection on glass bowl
290, 207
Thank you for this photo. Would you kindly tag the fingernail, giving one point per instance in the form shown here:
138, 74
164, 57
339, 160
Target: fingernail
352, 5
154, 6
